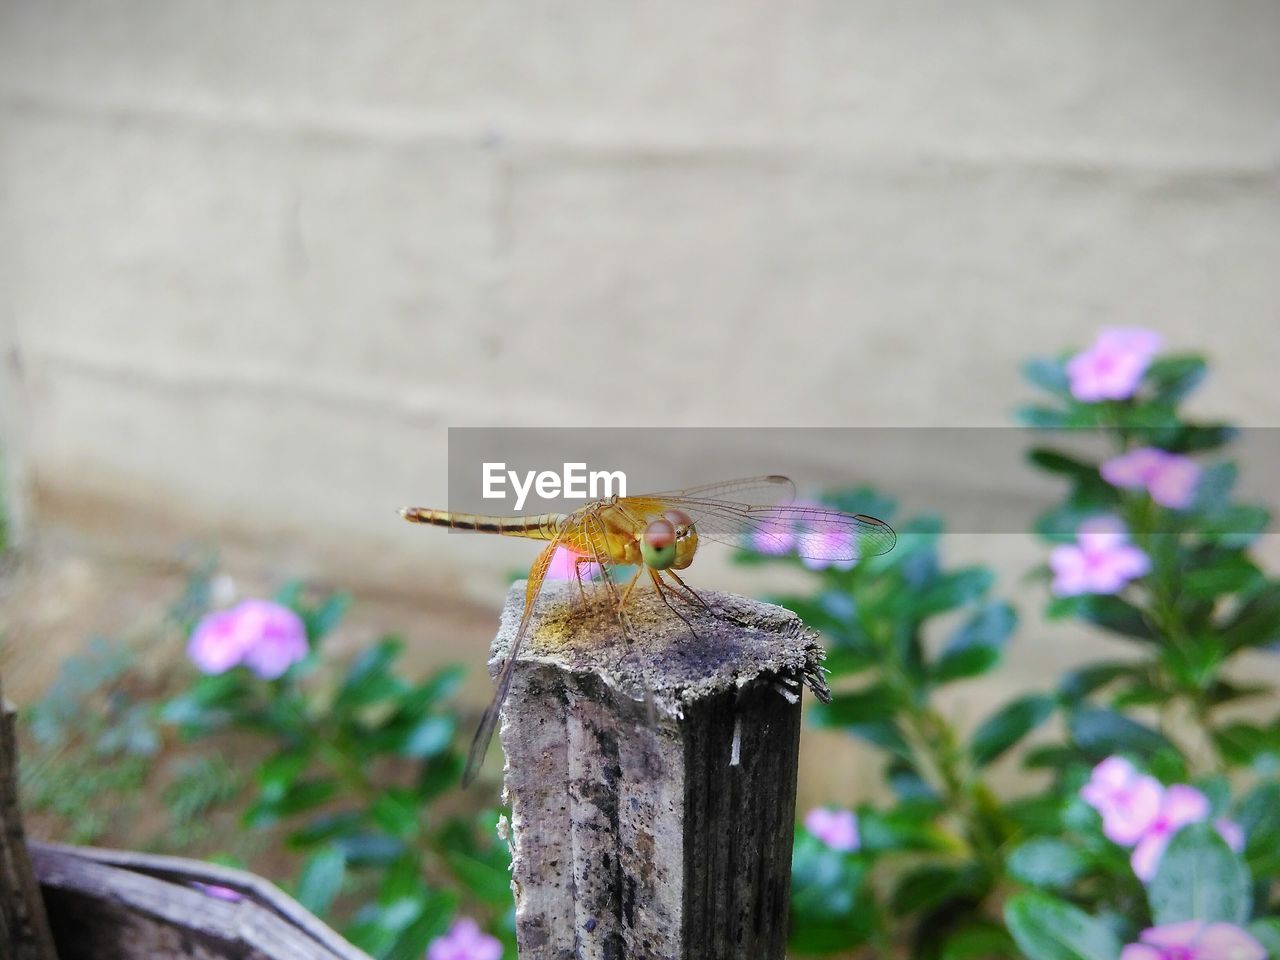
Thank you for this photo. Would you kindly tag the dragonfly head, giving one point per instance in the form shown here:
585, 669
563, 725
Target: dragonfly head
670, 541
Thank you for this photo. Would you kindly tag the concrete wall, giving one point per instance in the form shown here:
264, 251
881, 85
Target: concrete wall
257, 256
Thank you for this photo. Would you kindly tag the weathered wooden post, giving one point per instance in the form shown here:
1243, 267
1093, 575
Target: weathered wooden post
658, 826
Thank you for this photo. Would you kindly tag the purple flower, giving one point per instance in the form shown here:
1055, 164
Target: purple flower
465, 941
265, 637
1112, 368
1179, 806
217, 644
1137, 811
1128, 801
1195, 940
1169, 478
1100, 561
838, 829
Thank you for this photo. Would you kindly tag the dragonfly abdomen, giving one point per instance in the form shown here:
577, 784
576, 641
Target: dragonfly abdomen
543, 526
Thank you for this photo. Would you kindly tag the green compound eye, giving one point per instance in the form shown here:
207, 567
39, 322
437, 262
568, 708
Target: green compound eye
658, 545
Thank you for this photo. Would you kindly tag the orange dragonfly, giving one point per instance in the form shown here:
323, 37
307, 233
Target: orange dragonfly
659, 534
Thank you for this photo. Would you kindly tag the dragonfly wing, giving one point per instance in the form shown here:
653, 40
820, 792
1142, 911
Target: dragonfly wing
749, 490
812, 531
489, 722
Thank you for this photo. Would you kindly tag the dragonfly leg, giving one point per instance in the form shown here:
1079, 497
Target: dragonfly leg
662, 593
697, 597
618, 601
577, 575
630, 586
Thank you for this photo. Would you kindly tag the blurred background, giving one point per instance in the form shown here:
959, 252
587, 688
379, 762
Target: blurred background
258, 257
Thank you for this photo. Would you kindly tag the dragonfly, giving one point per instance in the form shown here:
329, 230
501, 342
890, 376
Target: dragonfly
659, 534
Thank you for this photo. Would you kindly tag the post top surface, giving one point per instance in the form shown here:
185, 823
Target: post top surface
744, 640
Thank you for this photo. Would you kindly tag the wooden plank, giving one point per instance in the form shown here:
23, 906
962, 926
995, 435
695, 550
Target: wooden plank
124, 905
652, 781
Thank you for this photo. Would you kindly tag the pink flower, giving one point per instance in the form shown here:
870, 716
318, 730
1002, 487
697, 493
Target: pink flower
1137, 809
218, 643
1195, 940
838, 829
1181, 805
1101, 561
1112, 368
465, 941
266, 637
563, 564
1169, 478
1128, 801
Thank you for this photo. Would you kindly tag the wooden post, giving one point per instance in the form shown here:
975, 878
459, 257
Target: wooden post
24, 929
652, 782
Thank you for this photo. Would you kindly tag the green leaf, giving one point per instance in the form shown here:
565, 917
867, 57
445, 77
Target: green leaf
1172, 378
301, 795
1246, 745
830, 905
1100, 732
1048, 373
1056, 462
1114, 614
1199, 878
322, 619
395, 810
1229, 574
975, 647
1235, 527
1008, 725
1046, 928
1040, 417
1081, 682
322, 879
486, 880
927, 887
1046, 862
277, 775
435, 912
1267, 932
900, 829
368, 679
1256, 623
430, 737
864, 706
955, 589
980, 939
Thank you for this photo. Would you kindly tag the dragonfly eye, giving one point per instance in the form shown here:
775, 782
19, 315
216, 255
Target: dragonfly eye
658, 544
678, 518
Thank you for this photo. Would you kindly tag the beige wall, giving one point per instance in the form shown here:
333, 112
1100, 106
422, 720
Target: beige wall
257, 256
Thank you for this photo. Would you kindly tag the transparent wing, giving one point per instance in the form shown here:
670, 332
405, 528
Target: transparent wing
585, 542
489, 722
808, 530
813, 531
773, 489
